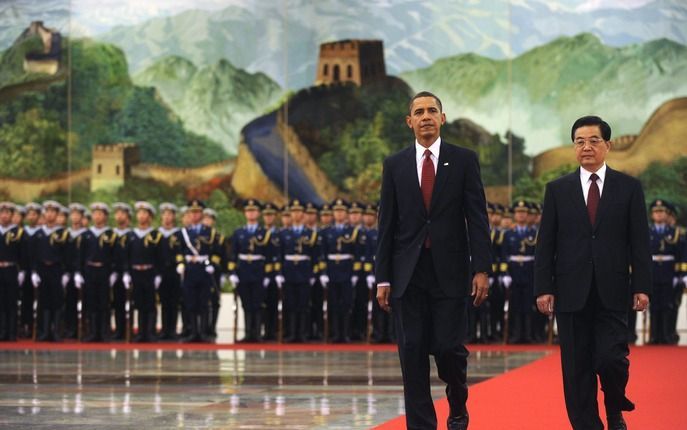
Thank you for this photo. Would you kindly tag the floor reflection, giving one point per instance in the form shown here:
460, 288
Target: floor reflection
212, 389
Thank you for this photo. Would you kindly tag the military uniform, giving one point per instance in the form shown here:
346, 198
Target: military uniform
96, 249
48, 274
343, 251
71, 297
361, 292
11, 246
497, 293
26, 289
247, 266
118, 290
271, 302
170, 286
665, 253
198, 259
299, 265
518, 254
216, 291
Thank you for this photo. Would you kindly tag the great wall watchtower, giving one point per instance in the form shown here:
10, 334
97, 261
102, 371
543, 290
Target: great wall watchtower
48, 60
357, 61
111, 165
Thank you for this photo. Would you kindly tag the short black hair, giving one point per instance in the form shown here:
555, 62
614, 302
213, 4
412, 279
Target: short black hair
424, 94
592, 120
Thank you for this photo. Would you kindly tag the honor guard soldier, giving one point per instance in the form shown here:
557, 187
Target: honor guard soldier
299, 262
343, 250
96, 248
270, 315
71, 297
382, 322
49, 274
63, 217
665, 252
285, 216
170, 286
18, 216
326, 216
680, 269
34, 212
122, 218
197, 262
360, 291
315, 321
11, 273
497, 295
210, 220
518, 252
142, 274
249, 257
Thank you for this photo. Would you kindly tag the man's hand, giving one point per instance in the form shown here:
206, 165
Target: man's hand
383, 294
480, 288
640, 302
545, 304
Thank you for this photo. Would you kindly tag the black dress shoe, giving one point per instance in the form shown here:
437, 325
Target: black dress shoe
616, 422
458, 423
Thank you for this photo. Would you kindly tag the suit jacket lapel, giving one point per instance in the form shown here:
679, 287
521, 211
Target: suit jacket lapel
442, 174
577, 197
410, 166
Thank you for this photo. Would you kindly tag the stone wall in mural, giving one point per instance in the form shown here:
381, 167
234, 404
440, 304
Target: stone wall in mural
241, 98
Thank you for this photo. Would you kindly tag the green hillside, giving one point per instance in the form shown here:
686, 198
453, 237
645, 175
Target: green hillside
215, 101
555, 83
106, 108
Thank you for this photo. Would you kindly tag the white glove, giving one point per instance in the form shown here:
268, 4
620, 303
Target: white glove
223, 279
78, 280
312, 281
684, 280
279, 279
126, 280
324, 280
180, 269
506, 280
157, 281
210, 269
234, 279
65, 280
370, 281
675, 281
21, 277
491, 281
265, 282
113, 278
354, 280
35, 279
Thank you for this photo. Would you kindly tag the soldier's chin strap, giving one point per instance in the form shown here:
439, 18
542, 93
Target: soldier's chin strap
187, 240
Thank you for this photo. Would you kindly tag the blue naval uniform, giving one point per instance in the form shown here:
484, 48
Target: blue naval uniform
518, 255
497, 294
197, 282
49, 253
343, 255
118, 291
143, 261
170, 287
11, 257
251, 259
96, 248
666, 255
299, 265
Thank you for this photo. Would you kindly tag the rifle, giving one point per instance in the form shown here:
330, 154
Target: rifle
236, 314
35, 313
550, 329
506, 316
280, 313
79, 314
645, 326
370, 297
127, 313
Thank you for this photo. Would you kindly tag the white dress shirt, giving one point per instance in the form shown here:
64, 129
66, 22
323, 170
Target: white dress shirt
587, 182
420, 157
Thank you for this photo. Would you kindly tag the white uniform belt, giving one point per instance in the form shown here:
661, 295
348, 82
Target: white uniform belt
296, 257
251, 257
196, 258
339, 257
663, 257
521, 258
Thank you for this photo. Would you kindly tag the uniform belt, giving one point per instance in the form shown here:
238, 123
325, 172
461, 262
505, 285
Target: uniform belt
4, 264
663, 257
521, 258
296, 257
48, 263
141, 267
251, 257
94, 264
196, 258
339, 257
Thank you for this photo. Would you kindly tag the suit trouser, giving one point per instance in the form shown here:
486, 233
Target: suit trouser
593, 342
429, 322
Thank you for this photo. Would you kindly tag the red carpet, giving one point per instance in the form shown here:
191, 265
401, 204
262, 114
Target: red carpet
531, 397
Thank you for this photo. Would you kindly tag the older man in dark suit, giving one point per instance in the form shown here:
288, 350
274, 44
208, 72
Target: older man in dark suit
433, 250
593, 256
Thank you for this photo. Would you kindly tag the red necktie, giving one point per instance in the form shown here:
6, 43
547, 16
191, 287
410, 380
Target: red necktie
427, 184
593, 198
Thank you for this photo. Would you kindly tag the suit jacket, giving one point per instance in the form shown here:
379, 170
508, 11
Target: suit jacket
456, 223
614, 251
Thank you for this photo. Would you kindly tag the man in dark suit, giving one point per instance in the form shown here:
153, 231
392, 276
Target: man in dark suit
433, 251
593, 247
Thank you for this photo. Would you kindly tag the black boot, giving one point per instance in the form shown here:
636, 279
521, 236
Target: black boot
151, 319
293, 328
212, 330
247, 321
654, 332
257, 329
93, 335
344, 328
45, 327
204, 324
333, 326
302, 327
105, 327
192, 335
57, 325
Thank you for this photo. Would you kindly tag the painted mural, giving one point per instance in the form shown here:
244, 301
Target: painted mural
223, 99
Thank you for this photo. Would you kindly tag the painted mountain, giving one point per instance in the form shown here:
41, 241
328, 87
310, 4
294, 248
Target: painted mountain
556, 83
213, 101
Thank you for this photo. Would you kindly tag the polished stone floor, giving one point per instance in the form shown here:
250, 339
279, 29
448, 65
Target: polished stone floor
214, 389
